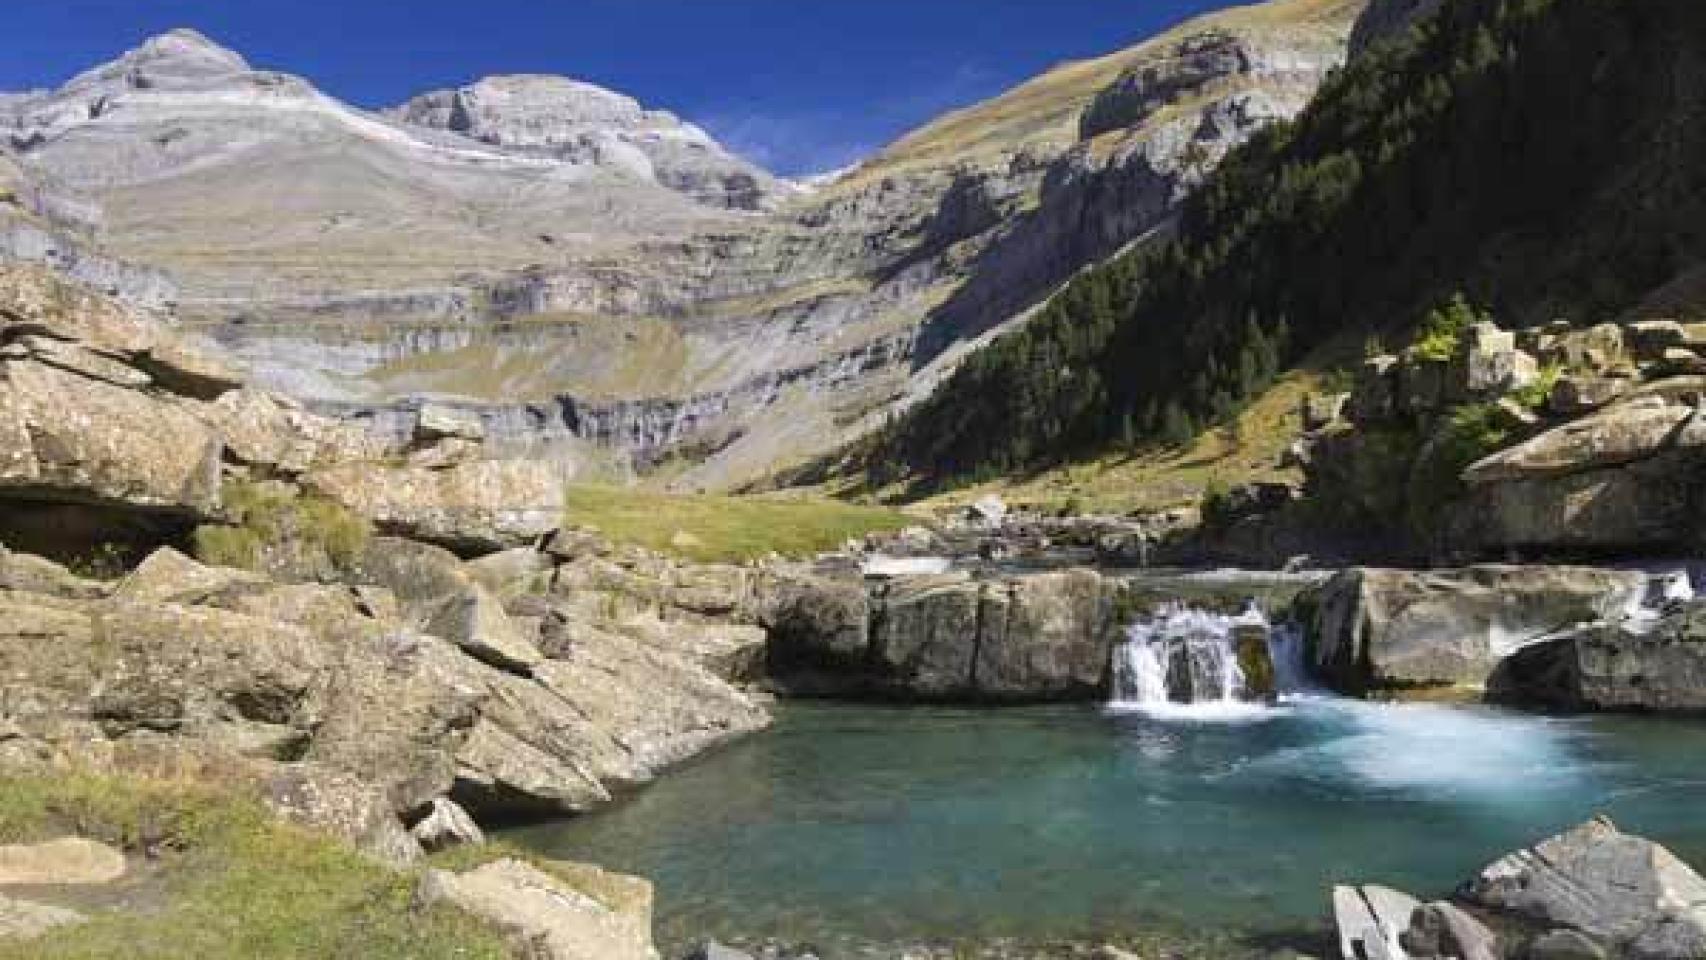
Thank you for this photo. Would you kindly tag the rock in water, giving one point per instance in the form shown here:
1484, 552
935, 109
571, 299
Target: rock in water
1371, 628
1627, 896
1629, 666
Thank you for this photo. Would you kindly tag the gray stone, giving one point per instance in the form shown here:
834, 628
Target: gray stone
437, 422
1620, 666
1371, 628
446, 825
1565, 945
1443, 931
475, 621
1628, 894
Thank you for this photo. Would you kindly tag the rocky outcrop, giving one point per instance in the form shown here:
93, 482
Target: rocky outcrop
949, 637
350, 719
1627, 478
480, 506
1591, 892
1371, 629
561, 912
1629, 665
1387, 19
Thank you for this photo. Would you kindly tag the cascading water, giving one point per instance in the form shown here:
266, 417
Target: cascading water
1184, 657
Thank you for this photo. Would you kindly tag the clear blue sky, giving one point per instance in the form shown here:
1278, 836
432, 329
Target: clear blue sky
799, 85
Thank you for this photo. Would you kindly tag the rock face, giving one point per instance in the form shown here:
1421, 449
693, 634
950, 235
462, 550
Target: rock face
1385, 19
1626, 666
1371, 628
1031, 638
570, 913
680, 303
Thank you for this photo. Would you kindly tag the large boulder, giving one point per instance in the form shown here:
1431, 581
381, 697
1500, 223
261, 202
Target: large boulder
1375, 628
1619, 894
77, 437
569, 913
814, 621
478, 507
1046, 636
1629, 478
1624, 666
277, 434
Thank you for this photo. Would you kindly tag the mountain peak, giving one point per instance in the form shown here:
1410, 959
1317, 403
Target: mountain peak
181, 54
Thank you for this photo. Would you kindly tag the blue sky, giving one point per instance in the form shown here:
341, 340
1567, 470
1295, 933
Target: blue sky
798, 85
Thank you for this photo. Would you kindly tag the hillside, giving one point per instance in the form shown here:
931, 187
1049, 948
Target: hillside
1493, 150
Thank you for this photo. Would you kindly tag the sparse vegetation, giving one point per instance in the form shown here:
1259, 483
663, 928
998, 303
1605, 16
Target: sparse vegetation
1535, 395
275, 521
236, 881
722, 528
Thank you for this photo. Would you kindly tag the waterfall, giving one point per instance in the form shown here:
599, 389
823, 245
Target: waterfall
1184, 657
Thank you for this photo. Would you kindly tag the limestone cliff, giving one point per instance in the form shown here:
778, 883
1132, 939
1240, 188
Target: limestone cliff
604, 283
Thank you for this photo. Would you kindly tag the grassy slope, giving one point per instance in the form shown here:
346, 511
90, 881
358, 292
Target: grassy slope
232, 881
727, 529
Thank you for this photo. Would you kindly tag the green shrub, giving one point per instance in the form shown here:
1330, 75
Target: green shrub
1468, 434
1443, 328
1535, 395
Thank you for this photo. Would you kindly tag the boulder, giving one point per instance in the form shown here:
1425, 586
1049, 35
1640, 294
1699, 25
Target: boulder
987, 511
1373, 628
168, 576
1629, 478
589, 915
419, 576
1488, 364
25, 573
446, 825
1444, 931
265, 430
1620, 893
478, 507
519, 570
84, 438
68, 861
475, 621
438, 422
1614, 667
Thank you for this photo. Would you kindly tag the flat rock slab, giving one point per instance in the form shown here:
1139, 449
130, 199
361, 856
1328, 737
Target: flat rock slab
23, 920
65, 862
609, 918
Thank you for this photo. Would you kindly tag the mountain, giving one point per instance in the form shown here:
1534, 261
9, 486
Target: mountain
1541, 158
605, 285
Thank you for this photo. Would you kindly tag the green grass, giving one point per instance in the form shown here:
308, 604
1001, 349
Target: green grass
271, 517
724, 529
237, 882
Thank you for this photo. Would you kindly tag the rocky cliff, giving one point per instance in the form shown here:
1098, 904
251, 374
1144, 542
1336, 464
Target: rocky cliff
606, 284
